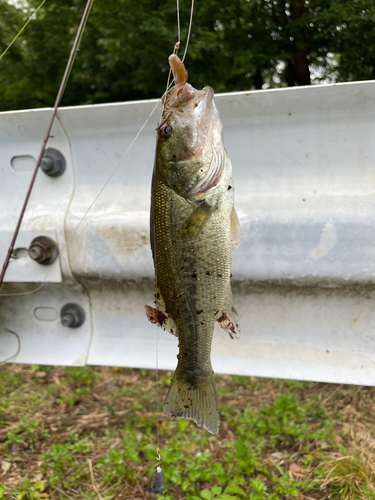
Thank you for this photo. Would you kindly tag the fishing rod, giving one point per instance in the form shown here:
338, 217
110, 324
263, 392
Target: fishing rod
60, 92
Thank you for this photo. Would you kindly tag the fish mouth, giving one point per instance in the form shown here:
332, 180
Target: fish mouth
185, 102
184, 105
196, 143
182, 93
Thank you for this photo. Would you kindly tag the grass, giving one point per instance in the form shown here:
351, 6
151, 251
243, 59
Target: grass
278, 439
352, 472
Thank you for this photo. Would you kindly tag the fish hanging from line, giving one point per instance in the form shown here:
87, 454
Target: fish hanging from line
193, 226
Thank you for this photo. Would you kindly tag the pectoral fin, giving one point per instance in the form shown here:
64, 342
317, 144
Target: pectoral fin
228, 318
235, 228
197, 220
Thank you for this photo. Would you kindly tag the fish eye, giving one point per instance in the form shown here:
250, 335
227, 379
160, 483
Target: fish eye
166, 131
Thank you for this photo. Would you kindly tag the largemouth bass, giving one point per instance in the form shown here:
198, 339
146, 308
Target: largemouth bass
193, 227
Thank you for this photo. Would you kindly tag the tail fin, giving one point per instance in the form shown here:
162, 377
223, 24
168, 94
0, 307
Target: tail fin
194, 402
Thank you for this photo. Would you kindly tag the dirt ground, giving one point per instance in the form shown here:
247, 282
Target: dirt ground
72, 433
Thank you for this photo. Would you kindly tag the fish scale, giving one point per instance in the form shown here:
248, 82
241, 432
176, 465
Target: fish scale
193, 226
205, 258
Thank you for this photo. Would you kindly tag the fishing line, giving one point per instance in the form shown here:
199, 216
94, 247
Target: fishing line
178, 43
158, 482
157, 390
91, 205
21, 30
178, 24
46, 137
32, 17
61, 90
189, 32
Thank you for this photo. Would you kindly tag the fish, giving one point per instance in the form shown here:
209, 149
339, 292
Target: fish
193, 227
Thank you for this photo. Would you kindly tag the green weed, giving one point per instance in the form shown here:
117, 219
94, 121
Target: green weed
27, 432
26, 491
80, 376
269, 430
60, 461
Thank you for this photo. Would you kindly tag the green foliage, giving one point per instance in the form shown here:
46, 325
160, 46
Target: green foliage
266, 428
80, 376
28, 432
113, 461
9, 382
3, 489
238, 45
282, 421
234, 488
27, 491
215, 493
61, 457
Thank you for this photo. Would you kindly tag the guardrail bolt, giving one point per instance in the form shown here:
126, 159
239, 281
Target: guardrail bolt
72, 315
53, 163
43, 250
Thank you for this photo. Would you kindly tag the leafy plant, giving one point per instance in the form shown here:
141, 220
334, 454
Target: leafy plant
276, 439
61, 458
26, 491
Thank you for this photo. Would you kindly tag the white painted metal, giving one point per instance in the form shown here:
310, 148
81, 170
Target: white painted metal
42, 341
304, 170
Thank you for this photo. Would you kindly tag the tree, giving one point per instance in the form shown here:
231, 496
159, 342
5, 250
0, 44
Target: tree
235, 45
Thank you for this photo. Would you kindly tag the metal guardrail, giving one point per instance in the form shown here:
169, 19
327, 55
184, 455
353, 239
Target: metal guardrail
303, 277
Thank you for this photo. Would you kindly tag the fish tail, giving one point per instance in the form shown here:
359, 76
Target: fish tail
195, 402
